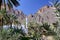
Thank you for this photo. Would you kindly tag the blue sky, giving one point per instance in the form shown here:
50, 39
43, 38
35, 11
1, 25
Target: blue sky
31, 6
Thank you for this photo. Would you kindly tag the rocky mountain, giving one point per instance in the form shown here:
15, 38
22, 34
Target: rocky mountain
18, 13
20, 16
45, 14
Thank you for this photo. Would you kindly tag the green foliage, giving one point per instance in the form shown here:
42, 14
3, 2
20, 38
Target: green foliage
7, 18
35, 32
45, 26
56, 4
57, 30
11, 34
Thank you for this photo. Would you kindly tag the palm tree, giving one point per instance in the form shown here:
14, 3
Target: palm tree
56, 4
10, 4
7, 18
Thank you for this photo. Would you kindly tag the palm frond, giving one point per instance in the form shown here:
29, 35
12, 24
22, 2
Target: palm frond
57, 5
10, 4
15, 2
55, 2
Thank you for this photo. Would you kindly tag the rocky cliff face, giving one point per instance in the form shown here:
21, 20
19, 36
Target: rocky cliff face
21, 16
45, 14
18, 13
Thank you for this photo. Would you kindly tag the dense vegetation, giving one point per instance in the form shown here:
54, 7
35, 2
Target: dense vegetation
35, 30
